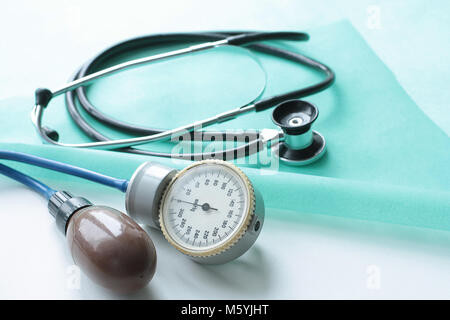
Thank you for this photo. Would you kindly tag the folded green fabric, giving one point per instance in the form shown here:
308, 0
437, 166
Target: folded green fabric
386, 161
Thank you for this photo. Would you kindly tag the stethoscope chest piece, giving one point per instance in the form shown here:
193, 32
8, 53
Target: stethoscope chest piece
301, 145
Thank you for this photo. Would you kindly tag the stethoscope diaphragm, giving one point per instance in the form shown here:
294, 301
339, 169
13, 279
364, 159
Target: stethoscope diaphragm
301, 145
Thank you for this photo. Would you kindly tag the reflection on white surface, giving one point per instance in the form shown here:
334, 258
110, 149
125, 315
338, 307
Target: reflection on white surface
298, 257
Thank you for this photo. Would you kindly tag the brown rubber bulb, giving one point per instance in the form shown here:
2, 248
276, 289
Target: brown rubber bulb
111, 249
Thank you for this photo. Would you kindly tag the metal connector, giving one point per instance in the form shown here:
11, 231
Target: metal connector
62, 205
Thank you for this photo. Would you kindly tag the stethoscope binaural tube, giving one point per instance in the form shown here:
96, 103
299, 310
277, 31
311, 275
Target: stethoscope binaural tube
43, 96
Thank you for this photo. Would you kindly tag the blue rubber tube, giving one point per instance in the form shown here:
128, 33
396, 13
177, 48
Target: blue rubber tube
30, 182
120, 184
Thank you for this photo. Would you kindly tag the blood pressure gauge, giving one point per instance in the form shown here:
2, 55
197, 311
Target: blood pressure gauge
209, 211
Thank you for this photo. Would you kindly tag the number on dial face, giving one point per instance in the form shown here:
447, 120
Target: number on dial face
205, 206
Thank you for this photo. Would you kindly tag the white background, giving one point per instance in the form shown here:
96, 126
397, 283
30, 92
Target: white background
43, 42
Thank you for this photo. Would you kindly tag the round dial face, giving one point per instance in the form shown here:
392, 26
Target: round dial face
206, 207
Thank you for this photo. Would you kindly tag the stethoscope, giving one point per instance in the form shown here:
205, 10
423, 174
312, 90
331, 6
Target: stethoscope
109, 246
297, 144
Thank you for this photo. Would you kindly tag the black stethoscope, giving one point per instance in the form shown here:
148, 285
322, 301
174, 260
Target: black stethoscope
297, 144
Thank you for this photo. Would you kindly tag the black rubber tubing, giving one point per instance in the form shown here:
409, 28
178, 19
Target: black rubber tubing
186, 38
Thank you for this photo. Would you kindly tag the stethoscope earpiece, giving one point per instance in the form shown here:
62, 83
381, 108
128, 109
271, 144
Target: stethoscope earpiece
300, 145
50, 133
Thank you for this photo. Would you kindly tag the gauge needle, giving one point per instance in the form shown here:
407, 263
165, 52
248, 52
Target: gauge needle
205, 206
193, 203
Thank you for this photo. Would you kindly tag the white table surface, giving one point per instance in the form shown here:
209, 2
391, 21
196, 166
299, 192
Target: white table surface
318, 256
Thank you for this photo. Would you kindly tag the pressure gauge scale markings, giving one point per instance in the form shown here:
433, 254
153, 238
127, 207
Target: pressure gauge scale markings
207, 208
